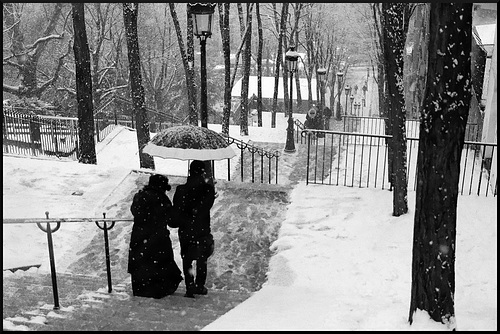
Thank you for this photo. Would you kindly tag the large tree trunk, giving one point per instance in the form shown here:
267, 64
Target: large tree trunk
394, 30
224, 30
188, 67
442, 132
86, 141
130, 12
247, 54
193, 89
259, 64
247, 58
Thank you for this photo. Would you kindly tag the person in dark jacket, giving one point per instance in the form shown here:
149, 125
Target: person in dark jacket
193, 200
151, 258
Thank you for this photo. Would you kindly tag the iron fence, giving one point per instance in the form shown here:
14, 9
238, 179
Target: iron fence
299, 127
25, 133
255, 161
39, 135
356, 159
376, 125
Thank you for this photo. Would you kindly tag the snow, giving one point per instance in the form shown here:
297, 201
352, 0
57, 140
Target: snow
341, 260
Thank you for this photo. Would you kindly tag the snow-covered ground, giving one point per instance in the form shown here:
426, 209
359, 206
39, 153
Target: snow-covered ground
342, 261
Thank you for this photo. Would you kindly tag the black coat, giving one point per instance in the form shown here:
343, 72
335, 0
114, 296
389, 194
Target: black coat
193, 200
150, 254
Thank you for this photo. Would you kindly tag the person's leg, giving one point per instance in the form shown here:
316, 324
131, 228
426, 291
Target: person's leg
187, 267
201, 276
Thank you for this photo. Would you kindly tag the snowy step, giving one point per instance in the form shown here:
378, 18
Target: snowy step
94, 308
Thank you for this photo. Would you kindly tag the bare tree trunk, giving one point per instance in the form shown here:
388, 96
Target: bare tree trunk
188, 67
295, 34
224, 30
130, 12
86, 141
279, 56
394, 27
194, 113
442, 133
246, 74
259, 65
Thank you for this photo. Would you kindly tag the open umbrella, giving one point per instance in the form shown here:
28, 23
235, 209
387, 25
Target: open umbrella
189, 142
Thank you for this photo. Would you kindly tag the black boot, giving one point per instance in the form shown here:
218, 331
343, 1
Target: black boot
201, 290
190, 291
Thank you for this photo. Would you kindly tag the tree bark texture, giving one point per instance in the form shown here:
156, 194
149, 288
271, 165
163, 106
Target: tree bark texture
259, 64
225, 36
247, 55
279, 57
393, 28
188, 68
416, 60
86, 141
442, 131
130, 12
194, 111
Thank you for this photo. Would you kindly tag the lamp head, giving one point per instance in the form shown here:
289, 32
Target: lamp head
291, 58
202, 16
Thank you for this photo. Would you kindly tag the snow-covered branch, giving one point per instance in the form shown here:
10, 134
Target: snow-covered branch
45, 39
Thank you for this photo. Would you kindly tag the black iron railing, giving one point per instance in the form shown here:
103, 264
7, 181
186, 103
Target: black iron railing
249, 165
50, 230
38, 135
299, 126
376, 125
356, 159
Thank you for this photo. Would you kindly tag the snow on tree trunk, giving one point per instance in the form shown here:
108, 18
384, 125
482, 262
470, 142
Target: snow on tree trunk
130, 12
442, 131
86, 141
394, 42
188, 64
191, 86
246, 75
224, 30
259, 64
279, 57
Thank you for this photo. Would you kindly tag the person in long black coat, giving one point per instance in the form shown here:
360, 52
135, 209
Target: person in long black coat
193, 200
151, 258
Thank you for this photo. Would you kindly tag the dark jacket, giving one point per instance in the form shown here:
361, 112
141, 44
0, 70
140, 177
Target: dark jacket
150, 245
193, 200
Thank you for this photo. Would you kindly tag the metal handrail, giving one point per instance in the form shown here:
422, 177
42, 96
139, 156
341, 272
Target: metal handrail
253, 149
343, 144
49, 230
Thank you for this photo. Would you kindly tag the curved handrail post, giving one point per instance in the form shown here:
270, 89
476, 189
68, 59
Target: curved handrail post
105, 228
49, 232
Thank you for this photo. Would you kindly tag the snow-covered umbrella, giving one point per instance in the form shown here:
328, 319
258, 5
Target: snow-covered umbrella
189, 142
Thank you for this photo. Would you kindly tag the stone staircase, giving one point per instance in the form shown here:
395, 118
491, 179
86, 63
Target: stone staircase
246, 220
85, 304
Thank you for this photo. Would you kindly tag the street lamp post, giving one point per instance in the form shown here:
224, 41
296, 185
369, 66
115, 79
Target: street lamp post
321, 72
339, 83
291, 58
347, 93
202, 16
